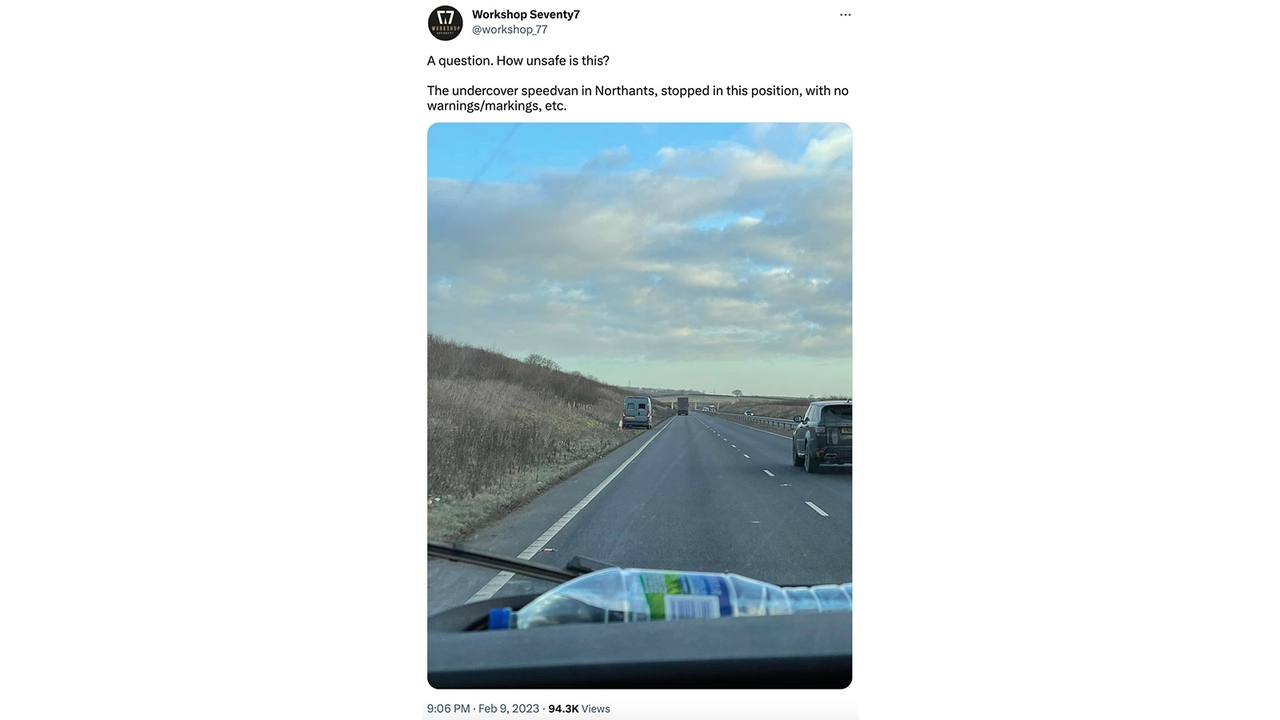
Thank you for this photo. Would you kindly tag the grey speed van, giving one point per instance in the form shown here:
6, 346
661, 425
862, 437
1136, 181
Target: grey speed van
637, 411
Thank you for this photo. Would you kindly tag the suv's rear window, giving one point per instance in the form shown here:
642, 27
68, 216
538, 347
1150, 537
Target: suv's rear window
837, 414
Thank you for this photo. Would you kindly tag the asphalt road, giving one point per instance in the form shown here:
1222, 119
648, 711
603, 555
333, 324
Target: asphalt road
698, 493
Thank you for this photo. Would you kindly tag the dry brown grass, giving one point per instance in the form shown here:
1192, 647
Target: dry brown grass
499, 431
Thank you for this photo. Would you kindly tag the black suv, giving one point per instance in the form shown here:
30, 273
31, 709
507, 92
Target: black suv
823, 435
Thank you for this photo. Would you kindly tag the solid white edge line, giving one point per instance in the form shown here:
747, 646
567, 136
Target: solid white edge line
498, 580
816, 508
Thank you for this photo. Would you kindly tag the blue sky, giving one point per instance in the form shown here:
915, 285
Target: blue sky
504, 152
708, 256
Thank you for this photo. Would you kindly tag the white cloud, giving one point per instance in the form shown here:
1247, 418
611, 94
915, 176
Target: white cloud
610, 264
823, 151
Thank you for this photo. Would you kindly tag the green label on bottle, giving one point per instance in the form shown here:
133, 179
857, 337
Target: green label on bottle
661, 591
656, 587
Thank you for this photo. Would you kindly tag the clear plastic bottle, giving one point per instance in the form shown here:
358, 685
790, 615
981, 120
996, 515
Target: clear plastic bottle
631, 595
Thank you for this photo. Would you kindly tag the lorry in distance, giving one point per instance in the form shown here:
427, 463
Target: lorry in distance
682, 406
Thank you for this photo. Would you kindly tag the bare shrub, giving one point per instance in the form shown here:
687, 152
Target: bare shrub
542, 362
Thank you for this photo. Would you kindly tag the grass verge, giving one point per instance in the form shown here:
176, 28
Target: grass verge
501, 430
453, 519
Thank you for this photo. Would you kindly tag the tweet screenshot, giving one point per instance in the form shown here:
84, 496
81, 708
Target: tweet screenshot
752, 360
639, 281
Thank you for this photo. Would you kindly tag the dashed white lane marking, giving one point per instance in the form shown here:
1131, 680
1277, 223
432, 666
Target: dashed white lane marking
501, 578
746, 456
735, 447
766, 472
815, 508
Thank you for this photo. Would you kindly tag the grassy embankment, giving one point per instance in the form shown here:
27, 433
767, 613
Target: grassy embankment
500, 431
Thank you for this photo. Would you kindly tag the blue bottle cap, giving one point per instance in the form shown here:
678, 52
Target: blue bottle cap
500, 618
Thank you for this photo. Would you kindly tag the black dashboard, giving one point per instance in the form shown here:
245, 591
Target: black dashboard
788, 651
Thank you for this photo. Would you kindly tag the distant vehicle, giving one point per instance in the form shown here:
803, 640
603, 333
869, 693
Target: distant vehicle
748, 413
637, 411
682, 406
823, 435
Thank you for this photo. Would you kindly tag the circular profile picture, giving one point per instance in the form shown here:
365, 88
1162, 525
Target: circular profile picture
446, 22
